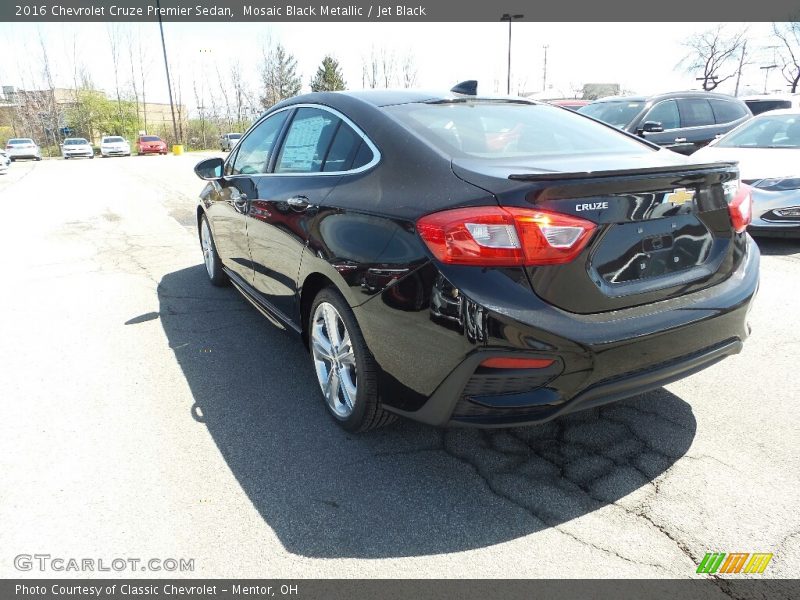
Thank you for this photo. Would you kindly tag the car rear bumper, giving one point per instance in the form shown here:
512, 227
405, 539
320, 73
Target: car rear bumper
152, 150
598, 358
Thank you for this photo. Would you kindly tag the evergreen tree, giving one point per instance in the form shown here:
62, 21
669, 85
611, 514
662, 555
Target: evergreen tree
279, 76
329, 77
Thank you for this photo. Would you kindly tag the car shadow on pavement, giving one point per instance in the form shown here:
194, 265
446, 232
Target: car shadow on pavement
778, 246
408, 489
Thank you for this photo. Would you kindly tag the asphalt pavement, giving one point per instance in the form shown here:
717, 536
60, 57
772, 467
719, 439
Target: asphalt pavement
148, 414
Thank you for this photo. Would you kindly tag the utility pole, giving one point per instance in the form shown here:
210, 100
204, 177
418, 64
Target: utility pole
509, 17
544, 68
741, 66
166, 68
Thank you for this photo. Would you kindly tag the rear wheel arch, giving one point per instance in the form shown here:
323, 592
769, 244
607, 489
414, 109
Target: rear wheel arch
312, 285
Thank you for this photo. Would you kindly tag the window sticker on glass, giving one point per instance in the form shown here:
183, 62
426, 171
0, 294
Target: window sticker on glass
300, 147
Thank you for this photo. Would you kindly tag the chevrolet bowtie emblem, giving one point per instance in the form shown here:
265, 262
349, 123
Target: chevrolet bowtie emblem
679, 196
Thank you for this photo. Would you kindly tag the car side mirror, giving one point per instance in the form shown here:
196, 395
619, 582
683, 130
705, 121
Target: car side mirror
652, 127
209, 169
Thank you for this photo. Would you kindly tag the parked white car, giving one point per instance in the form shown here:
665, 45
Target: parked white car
73, 147
23, 148
4, 162
228, 141
767, 148
114, 145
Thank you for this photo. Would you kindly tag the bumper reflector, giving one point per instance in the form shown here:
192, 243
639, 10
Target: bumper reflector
517, 363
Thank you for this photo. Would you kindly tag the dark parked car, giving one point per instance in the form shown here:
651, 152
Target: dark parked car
681, 121
476, 261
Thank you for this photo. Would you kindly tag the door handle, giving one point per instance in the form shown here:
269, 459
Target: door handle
680, 140
298, 203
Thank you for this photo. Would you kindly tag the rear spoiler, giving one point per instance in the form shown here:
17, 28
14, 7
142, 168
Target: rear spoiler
622, 172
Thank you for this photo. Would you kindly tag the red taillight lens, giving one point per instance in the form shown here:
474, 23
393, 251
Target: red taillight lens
504, 236
517, 363
741, 208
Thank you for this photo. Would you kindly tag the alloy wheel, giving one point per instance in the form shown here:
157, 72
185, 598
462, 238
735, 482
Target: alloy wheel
334, 360
208, 247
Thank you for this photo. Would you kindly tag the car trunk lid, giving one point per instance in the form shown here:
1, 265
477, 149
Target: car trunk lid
663, 225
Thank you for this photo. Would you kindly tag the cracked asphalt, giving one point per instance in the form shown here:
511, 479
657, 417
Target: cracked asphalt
147, 414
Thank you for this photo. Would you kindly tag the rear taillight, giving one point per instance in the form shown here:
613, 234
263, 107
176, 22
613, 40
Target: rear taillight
740, 208
504, 236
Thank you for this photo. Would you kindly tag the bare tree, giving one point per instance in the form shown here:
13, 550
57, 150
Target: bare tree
114, 43
134, 85
409, 70
712, 53
388, 67
144, 67
789, 36
369, 70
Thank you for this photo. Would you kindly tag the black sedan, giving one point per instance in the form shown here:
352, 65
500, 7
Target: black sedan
465, 260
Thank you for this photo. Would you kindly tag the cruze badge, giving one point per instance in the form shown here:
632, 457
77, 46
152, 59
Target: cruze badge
679, 196
591, 206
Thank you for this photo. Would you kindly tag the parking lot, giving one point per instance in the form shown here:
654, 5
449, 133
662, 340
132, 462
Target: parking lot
148, 414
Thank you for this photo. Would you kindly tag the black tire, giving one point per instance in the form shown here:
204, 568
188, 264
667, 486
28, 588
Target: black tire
38, 158
367, 412
216, 275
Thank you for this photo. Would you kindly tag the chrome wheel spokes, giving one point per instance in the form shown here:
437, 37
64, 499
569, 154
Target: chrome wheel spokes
208, 247
334, 359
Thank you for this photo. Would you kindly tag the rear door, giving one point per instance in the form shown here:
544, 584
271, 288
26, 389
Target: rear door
318, 147
698, 123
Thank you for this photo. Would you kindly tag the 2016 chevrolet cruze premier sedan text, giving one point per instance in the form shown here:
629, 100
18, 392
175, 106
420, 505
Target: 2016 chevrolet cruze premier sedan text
465, 260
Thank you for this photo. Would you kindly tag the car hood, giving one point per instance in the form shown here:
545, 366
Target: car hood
757, 163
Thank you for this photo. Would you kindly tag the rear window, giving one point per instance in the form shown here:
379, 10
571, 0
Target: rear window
75, 142
150, 138
760, 106
617, 113
20, 141
114, 139
234, 136
726, 111
506, 130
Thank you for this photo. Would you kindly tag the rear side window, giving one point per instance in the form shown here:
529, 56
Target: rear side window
509, 129
666, 113
345, 149
255, 150
726, 111
695, 112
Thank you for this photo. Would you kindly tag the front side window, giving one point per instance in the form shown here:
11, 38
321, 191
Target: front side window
255, 150
666, 113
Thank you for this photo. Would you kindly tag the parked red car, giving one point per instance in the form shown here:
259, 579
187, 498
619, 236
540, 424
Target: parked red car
150, 144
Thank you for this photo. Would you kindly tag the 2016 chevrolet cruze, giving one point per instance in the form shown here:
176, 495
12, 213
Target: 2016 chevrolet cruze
458, 259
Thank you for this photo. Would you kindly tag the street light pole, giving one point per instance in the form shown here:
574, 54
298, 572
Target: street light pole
766, 70
509, 17
544, 68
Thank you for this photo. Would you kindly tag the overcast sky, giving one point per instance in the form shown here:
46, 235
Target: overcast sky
641, 57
